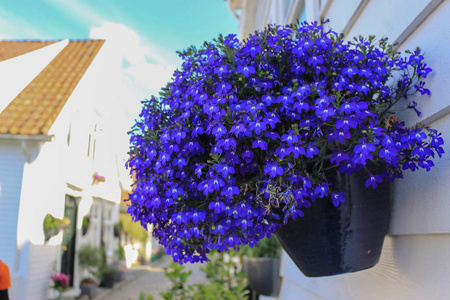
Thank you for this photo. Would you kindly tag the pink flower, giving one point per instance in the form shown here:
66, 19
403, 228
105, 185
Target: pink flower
60, 281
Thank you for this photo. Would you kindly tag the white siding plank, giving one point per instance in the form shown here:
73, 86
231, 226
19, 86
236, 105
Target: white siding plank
341, 18
288, 289
422, 16
386, 18
421, 200
411, 267
433, 37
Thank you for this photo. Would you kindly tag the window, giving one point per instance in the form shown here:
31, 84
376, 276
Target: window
92, 142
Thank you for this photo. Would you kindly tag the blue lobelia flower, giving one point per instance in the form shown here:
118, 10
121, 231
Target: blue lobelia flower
273, 170
246, 70
373, 180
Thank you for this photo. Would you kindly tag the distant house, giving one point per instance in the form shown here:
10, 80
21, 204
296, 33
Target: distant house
415, 263
56, 157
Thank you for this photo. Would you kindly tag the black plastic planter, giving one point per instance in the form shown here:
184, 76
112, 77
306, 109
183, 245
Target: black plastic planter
263, 273
108, 280
89, 290
332, 240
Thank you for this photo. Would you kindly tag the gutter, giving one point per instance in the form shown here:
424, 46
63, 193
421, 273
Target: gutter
28, 142
40, 137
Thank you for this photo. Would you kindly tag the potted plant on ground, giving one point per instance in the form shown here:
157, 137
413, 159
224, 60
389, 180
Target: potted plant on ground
89, 258
88, 287
121, 269
60, 283
108, 275
262, 266
250, 136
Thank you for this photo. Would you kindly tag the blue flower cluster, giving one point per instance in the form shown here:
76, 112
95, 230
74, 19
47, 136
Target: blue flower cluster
241, 138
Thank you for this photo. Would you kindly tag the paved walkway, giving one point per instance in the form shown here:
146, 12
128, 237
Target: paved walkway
149, 280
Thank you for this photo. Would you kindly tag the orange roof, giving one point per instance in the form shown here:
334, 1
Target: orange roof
10, 49
36, 107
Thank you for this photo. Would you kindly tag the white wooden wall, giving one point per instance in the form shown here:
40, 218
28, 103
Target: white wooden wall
415, 262
12, 161
37, 263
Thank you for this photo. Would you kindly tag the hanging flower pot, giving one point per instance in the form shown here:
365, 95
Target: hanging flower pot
262, 266
237, 144
85, 225
331, 240
52, 226
98, 178
48, 234
263, 273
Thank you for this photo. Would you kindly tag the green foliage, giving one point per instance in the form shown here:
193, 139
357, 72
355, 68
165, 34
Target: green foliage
178, 279
90, 258
105, 269
267, 247
86, 222
225, 276
133, 229
226, 281
120, 253
51, 222
142, 296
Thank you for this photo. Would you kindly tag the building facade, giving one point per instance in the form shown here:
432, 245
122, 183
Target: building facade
55, 142
414, 263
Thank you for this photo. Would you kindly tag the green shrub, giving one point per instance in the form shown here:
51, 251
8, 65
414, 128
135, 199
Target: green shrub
90, 257
226, 281
267, 247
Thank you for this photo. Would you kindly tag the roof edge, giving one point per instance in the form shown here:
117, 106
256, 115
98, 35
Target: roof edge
40, 137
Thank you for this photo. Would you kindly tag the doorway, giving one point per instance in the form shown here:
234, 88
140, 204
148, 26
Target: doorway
69, 238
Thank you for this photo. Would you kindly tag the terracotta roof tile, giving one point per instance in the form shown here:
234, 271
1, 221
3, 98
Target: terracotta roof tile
10, 49
35, 109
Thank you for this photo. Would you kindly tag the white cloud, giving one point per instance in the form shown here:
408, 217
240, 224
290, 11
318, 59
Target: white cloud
144, 72
149, 65
149, 69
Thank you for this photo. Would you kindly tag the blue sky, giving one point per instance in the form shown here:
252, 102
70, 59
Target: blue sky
168, 25
146, 33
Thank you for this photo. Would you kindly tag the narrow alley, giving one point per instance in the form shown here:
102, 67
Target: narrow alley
148, 280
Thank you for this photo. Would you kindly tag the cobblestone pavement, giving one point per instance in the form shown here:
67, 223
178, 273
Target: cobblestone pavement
148, 279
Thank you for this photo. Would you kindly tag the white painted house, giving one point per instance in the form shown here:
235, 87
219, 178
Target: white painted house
415, 262
56, 132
